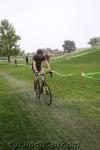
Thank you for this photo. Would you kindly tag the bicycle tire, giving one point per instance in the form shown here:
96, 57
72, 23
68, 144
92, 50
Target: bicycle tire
47, 92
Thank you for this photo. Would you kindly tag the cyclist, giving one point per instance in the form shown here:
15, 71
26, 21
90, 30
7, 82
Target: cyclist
37, 65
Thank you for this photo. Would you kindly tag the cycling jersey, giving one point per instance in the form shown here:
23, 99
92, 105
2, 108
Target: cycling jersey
38, 61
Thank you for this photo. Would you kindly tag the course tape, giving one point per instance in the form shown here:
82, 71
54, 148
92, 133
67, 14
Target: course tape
24, 65
92, 73
92, 77
57, 73
85, 75
63, 74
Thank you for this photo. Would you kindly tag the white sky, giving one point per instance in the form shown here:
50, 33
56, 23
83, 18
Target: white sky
47, 23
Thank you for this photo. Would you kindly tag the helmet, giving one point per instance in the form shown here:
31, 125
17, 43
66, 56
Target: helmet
39, 51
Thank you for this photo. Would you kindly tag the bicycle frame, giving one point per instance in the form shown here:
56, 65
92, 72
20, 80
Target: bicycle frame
42, 87
42, 76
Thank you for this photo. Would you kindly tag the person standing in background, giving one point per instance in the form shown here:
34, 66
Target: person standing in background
27, 62
16, 60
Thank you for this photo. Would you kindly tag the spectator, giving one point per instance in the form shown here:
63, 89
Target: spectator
16, 60
27, 60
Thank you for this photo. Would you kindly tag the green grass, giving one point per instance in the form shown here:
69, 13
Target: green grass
92, 57
74, 115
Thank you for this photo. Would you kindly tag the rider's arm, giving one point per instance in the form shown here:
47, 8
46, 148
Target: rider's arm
34, 66
47, 64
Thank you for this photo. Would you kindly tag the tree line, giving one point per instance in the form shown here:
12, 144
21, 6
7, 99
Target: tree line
9, 41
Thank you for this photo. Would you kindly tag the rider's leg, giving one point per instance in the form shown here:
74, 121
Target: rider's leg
34, 82
42, 81
35, 91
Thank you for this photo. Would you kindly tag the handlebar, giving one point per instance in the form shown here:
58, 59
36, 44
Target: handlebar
49, 72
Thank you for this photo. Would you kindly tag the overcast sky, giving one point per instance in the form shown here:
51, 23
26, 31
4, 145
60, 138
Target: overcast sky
47, 23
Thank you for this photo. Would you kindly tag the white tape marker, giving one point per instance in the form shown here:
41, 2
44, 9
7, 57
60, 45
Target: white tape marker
92, 77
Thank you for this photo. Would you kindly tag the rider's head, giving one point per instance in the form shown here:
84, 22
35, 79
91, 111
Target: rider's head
40, 53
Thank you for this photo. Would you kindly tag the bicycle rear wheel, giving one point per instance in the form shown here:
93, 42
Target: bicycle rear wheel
47, 94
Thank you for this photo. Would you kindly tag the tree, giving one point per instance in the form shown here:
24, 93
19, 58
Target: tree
8, 40
22, 53
94, 42
69, 46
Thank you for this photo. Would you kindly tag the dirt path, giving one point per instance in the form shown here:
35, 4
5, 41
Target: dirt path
56, 122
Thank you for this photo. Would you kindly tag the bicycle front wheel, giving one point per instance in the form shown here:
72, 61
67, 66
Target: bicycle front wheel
47, 94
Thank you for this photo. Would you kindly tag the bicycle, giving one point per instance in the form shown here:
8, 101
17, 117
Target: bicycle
42, 87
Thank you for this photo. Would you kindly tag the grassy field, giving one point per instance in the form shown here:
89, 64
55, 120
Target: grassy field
73, 119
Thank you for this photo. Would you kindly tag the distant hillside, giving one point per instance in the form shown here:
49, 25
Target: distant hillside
89, 56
